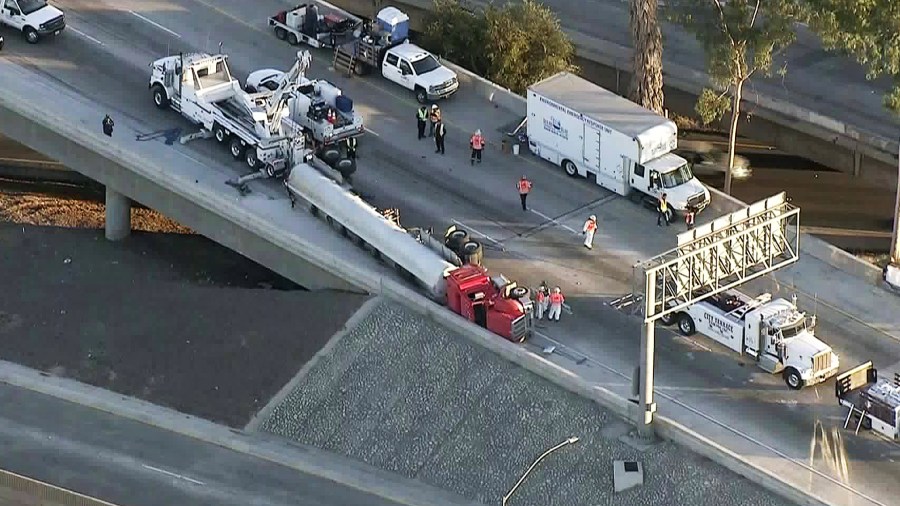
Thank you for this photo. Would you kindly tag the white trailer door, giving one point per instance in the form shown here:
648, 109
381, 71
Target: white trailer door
593, 140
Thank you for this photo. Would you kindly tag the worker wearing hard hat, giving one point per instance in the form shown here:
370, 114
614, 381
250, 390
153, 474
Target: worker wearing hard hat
477, 143
556, 303
542, 301
524, 186
590, 227
435, 117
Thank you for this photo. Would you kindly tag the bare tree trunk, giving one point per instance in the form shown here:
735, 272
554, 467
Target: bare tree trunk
732, 133
646, 77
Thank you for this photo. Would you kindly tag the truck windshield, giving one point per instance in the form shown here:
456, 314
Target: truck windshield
426, 64
794, 329
676, 177
29, 6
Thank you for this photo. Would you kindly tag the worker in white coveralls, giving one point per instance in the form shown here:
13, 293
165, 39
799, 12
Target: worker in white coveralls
590, 227
556, 303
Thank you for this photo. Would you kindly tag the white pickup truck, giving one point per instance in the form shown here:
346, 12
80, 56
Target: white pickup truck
34, 18
773, 332
385, 46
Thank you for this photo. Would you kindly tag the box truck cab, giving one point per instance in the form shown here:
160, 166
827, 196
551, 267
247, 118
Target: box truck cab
34, 18
589, 131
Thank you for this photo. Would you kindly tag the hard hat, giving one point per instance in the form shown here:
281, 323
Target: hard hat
593, 218
556, 290
477, 132
434, 106
523, 176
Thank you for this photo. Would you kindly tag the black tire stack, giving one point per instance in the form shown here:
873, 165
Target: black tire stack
470, 252
332, 156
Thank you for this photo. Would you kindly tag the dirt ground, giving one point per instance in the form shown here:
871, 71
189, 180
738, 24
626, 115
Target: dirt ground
174, 319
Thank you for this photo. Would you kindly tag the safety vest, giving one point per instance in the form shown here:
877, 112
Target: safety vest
439, 130
663, 206
524, 186
351, 143
557, 298
540, 296
590, 226
477, 142
422, 114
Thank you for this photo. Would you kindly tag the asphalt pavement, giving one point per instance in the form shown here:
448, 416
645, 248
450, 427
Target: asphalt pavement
129, 463
707, 389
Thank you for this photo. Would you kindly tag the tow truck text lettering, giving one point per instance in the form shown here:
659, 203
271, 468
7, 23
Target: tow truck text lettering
719, 325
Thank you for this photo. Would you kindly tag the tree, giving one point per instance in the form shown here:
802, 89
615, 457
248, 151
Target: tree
514, 46
739, 39
868, 30
646, 77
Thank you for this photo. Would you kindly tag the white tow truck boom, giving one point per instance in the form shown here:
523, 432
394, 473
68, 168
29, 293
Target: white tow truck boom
278, 100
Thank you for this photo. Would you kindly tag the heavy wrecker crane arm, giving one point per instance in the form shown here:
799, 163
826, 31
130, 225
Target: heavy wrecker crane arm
277, 101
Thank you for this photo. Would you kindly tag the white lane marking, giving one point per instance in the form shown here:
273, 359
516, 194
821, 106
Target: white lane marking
725, 426
86, 36
154, 23
542, 215
173, 475
473, 229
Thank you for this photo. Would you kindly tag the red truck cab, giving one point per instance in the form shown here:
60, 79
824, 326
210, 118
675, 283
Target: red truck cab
500, 306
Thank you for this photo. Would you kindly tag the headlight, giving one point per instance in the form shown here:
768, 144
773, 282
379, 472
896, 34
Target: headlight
431, 89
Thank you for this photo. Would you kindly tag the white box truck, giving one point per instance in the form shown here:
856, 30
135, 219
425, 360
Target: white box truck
774, 332
586, 129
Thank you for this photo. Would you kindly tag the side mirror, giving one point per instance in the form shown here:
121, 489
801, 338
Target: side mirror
14, 12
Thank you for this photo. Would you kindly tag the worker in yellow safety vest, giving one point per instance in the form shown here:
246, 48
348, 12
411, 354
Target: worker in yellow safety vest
662, 211
556, 302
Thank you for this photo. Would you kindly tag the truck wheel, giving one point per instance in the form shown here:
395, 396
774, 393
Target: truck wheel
360, 68
220, 133
346, 167
686, 325
793, 379
456, 239
31, 35
280, 32
421, 95
668, 319
237, 148
292, 39
570, 168
472, 253
518, 292
331, 155
159, 97
270, 170
867, 423
250, 157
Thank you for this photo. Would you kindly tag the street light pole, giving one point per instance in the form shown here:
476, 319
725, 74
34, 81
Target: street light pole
571, 440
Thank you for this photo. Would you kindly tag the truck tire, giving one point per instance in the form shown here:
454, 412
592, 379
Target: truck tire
331, 155
867, 423
31, 35
686, 325
456, 239
668, 319
280, 32
346, 167
472, 253
270, 170
421, 95
360, 68
159, 97
220, 133
518, 292
793, 379
250, 157
570, 168
237, 148
292, 39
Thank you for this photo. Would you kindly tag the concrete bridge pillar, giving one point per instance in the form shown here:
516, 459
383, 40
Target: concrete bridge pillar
118, 215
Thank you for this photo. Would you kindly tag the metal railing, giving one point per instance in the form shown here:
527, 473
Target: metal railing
45, 494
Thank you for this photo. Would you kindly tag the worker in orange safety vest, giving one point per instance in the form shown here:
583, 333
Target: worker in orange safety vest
477, 143
524, 186
556, 303
590, 227
541, 302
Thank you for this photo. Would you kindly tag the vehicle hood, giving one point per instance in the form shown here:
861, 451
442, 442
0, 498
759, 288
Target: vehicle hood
806, 345
678, 196
44, 14
439, 75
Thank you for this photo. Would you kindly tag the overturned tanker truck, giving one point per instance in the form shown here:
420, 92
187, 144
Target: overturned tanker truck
449, 271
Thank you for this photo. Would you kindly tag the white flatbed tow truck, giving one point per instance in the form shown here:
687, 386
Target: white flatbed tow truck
874, 403
774, 332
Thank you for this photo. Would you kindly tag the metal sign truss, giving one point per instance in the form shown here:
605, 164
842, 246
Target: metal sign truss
721, 255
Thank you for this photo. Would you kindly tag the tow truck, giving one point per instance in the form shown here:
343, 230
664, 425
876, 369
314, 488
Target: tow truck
449, 270
385, 46
874, 403
200, 87
774, 332
36, 19
318, 24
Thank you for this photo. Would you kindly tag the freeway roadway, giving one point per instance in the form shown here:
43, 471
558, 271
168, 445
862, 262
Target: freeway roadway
105, 57
127, 462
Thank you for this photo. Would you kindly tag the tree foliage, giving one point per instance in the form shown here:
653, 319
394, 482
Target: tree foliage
740, 38
646, 77
514, 46
868, 30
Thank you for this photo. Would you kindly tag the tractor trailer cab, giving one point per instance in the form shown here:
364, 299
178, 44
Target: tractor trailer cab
34, 18
590, 131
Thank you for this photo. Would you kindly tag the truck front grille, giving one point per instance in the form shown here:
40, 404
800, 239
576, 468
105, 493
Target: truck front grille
698, 200
520, 327
56, 23
821, 362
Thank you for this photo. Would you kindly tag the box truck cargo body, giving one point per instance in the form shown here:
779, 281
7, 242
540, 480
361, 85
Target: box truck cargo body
588, 130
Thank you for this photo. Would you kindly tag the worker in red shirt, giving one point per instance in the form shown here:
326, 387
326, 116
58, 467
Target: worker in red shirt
590, 227
524, 186
477, 143
541, 299
556, 302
